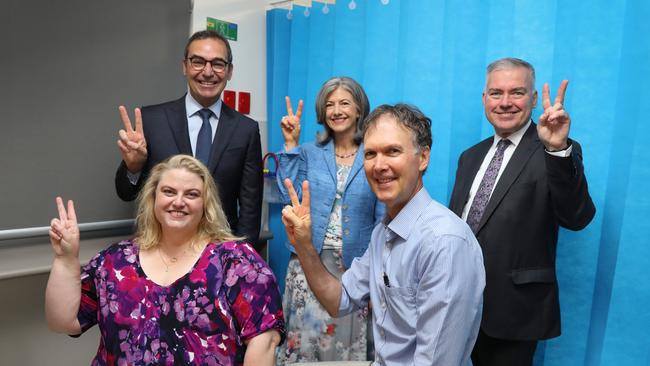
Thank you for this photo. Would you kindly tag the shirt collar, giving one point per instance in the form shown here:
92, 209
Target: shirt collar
406, 219
192, 106
515, 137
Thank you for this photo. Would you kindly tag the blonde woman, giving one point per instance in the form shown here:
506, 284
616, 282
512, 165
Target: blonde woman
183, 291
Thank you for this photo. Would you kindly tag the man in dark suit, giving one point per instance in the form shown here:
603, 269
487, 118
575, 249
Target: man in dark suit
199, 124
515, 195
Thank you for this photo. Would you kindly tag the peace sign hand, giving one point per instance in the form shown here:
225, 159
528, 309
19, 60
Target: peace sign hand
297, 217
291, 124
554, 123
64, 231
132, 143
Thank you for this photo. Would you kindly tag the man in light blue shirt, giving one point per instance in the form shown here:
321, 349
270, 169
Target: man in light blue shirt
423, 271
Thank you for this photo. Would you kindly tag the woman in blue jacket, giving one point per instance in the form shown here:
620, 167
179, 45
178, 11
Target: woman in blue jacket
343, 211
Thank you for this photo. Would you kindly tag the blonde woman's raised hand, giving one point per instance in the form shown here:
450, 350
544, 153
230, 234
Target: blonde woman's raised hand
291, 124
64, 231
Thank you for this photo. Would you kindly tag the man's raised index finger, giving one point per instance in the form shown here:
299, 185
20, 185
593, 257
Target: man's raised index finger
546, 98
138, 120
306, 198
125, 119
561, 91
293, 196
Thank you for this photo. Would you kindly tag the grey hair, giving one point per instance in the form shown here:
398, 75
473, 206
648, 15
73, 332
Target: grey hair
508, 63
407, 116
359, 98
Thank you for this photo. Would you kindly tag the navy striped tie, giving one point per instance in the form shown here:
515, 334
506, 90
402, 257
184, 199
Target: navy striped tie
204, 140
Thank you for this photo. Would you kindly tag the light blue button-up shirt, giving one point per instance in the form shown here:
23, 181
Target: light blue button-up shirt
424, 274
194, 120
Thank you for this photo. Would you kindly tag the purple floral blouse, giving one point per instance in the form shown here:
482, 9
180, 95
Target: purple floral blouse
203, 318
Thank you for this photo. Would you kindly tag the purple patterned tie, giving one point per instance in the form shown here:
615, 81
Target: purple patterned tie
485, 188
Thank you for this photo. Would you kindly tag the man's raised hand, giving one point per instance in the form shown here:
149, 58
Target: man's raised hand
297, 217
132, 144
554, 123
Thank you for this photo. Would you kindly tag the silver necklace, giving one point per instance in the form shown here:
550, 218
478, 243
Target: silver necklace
172, 260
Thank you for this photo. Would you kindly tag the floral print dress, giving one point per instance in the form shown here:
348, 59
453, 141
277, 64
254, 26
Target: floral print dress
203, 318
312, 335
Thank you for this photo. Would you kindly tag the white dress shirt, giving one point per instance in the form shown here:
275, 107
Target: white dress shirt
515, 139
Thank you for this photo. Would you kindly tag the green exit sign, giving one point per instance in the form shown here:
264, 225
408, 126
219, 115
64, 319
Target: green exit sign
228, 30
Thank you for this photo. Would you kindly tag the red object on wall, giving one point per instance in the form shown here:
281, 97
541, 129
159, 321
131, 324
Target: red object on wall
244, 105
229, 97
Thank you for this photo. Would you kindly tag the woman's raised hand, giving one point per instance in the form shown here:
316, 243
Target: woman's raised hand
64, 231
291, 125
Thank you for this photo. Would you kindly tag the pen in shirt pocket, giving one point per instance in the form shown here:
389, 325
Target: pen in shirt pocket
386, 281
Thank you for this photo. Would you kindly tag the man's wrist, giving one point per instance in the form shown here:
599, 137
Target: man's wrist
553, 149
563, 152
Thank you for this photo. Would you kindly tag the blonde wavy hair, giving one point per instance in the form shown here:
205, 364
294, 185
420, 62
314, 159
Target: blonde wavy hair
213, 226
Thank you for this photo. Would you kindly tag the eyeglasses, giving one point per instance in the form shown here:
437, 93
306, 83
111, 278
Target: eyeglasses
198, 64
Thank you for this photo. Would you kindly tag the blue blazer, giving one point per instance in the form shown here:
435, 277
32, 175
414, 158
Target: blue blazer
361, 209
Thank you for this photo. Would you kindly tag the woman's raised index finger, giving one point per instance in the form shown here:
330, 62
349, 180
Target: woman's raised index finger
71, 213
59, 205
125, 119
289, 107
299, 110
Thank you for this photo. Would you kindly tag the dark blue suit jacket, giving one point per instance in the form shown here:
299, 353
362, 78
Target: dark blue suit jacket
235, 160
536, 194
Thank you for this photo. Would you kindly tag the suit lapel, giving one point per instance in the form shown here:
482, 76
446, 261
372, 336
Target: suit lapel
225, 129
527, 146
177, 120
466, 176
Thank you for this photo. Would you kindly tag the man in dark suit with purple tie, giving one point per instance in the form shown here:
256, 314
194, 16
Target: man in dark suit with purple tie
515, 189
199, 124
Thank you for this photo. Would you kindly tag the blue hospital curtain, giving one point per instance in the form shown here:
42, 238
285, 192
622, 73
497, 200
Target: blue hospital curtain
433, 54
